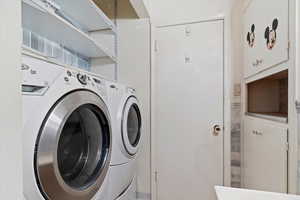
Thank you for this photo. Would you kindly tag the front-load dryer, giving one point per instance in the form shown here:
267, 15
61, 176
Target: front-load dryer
67, 139
127, 135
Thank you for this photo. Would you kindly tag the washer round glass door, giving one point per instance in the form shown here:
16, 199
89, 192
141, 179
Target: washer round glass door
131, 125
74, 147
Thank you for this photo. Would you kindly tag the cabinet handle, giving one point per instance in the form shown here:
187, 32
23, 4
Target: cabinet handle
257, 133
257, 62
260, 61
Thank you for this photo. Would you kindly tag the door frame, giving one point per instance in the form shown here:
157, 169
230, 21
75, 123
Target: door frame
226, 99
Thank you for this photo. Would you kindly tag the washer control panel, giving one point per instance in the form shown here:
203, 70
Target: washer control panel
39, 75
82, 78
86, 80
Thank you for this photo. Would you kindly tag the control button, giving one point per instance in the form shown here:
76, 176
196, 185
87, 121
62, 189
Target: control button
66, 79
69, 73
33, 72
97, 81
131, 90
25, 67
112, 86
82, 79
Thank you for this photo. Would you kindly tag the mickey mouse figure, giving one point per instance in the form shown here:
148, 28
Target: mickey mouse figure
251, 36
271, 35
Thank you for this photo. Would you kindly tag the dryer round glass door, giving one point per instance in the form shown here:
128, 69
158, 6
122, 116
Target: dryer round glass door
73, 149
131, 125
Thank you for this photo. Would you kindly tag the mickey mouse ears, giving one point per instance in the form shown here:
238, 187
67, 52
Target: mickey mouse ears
252, 28
275, 24
267, 32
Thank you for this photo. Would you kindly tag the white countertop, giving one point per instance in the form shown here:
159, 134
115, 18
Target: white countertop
225, 193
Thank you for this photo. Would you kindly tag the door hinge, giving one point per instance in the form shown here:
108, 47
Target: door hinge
287, 146
288, 49
155, 46
156, 176
287, 141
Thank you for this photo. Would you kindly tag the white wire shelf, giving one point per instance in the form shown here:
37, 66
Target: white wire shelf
53, 27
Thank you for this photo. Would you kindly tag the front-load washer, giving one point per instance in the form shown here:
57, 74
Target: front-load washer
67, 138
127, 134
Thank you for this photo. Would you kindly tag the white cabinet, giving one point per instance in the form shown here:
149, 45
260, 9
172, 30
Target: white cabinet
266, 35
265, 155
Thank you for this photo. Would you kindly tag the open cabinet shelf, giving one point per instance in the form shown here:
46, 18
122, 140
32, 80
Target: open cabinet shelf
278, 117
87, 14
268, 97
53, 27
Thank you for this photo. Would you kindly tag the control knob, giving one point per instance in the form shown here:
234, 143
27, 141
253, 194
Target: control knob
82, 78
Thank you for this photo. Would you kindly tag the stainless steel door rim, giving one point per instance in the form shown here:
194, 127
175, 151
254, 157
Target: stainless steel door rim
53, 180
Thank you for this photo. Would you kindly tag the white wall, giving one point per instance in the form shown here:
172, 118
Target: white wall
237, 39
134, 70
148, 4
169, 12
10, 100
178, 11
104, 68
237, 68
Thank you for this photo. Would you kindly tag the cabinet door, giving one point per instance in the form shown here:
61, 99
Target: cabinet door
265, 155
274, 19
253, 32
270, 46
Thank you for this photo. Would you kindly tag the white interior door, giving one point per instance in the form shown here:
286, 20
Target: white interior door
188, 89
